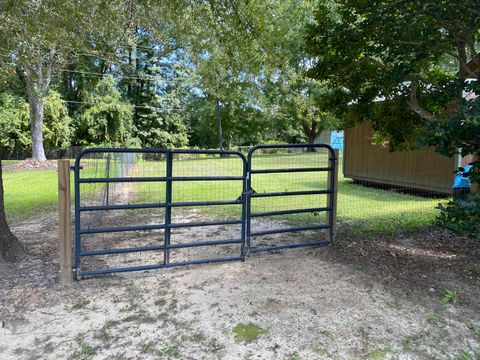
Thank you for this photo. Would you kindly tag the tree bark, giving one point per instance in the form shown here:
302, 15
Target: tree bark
312, 133
10, 247
36, 118
38, 79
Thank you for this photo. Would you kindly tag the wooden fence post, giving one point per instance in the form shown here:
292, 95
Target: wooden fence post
64, 222
335, 193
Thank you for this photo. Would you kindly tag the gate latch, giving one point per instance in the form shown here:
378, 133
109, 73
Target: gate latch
250, 192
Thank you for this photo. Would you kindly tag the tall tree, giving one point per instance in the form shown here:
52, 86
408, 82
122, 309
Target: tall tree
406, 66
396, 51
38, 36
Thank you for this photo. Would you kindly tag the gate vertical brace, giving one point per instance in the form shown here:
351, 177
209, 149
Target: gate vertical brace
248, 203
168, 207
76, 176
332, 184
244, 209
107, 185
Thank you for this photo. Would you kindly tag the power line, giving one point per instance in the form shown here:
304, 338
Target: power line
135, 106
123, 76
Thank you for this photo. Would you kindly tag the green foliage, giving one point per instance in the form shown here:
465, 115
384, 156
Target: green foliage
461, 215
394, 52
304, 104
81, 304
241, 124
107, 120
405, 67
14, 124
15, 129
163, 126
57, 124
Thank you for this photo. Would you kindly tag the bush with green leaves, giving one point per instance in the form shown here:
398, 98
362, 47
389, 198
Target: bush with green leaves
57, 124
163, 125
461, 131
14, 123
461, 215
106, 120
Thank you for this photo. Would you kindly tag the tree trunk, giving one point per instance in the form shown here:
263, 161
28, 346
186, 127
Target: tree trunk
312, 137
312, 133
36, 118
10, 248
38, 79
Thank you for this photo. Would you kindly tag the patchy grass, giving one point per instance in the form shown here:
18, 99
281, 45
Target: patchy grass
410, 343
85, 352
81, 304
378, 354
247, 332
10, 162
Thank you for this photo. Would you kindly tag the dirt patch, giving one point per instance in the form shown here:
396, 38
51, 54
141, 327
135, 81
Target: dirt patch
371, 298
31, 164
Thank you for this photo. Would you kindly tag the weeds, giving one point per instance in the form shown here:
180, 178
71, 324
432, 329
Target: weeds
81, 304
466, 353
450, 296
294, 356
247, 332
412, 342
86, 352
145, 347
436, 320
377, 354
160, 302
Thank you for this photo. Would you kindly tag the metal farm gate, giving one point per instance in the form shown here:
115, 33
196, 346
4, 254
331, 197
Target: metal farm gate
144, 209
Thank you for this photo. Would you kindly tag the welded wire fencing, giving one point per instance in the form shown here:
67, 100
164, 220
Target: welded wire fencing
377, 200
144, 209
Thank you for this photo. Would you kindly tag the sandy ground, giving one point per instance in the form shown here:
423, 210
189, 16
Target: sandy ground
358, 299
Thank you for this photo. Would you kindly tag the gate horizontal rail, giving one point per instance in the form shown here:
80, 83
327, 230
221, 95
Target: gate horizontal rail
159, 179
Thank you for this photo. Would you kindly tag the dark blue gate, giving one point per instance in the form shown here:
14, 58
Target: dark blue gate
164, 174
99, 196
318, 159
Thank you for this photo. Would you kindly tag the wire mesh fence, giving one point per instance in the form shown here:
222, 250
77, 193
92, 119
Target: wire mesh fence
149, 209
379, 206
364, 207
290, 201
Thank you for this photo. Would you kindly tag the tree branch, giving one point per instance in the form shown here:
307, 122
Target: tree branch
415, 106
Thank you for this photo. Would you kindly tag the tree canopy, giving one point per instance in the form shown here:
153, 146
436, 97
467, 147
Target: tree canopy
411, 68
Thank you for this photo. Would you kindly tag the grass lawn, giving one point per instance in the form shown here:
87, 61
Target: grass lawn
29, 193
362, 209
10, 162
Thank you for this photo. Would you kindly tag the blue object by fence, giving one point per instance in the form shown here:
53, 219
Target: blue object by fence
461, 181
337, 140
